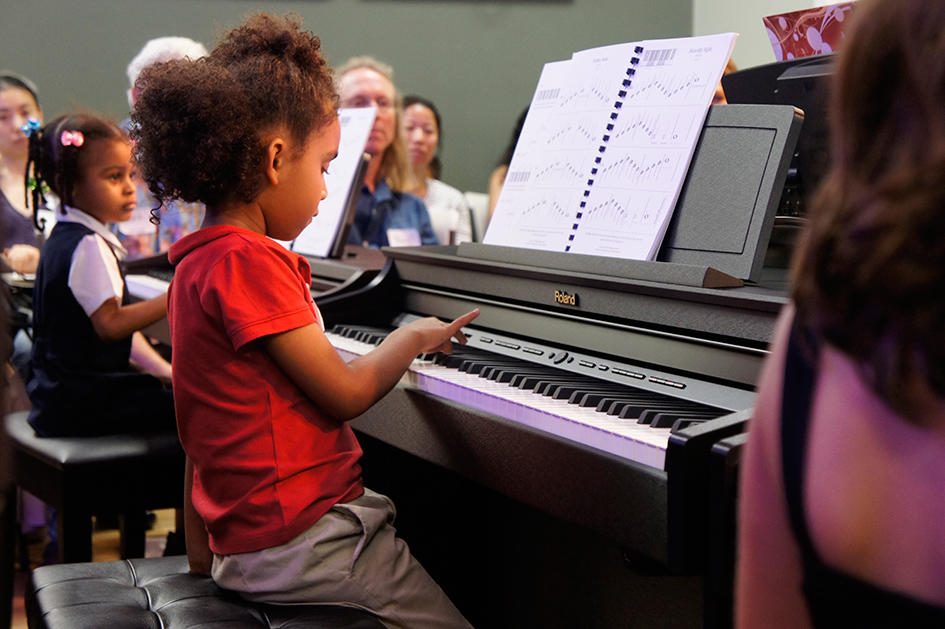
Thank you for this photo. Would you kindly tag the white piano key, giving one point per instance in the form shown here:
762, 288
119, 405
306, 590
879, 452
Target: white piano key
145, 286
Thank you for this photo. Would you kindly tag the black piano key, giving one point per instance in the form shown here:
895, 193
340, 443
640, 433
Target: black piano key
551, 385
639, 411
596, 398
459, 352
452, 361
647, 416
567, 391
542, 382
607, 404
666, 420
494, 362
478, 366
369, 335
505, 374
632, 410
511, 377
532, 380
685, 422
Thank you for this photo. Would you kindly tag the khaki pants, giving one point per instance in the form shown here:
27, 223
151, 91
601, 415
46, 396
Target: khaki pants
351, 557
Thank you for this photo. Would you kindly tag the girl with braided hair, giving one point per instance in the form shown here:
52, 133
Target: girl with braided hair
85, 329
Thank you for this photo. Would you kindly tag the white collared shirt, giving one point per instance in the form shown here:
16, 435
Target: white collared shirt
94, 276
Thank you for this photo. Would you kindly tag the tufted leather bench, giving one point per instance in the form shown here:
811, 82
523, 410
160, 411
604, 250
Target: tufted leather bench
82, 476
160, 593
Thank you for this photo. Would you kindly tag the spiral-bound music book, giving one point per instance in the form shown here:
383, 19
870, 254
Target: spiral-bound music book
606, 146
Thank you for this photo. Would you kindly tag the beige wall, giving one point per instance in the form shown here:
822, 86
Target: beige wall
744, 18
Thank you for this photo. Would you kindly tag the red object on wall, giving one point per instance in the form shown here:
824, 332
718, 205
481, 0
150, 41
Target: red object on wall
808, 31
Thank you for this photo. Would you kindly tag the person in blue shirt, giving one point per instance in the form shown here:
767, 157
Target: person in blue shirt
385, 215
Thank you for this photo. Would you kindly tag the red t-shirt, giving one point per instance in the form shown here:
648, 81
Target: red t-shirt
267, 464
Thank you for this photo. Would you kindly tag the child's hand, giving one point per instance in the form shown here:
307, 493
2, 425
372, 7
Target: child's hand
22, 258
436, 335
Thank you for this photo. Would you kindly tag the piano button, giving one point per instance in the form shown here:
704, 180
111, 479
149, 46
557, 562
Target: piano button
629, 374
532, 350
485, 339
587, 363
560, 358
508, 345
603, 367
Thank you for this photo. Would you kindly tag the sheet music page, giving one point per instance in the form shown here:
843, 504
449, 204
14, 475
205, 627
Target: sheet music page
543, 183
651, 145
317, 239
584, 180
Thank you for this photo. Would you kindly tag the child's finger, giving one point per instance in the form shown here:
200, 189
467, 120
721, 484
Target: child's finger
459, 322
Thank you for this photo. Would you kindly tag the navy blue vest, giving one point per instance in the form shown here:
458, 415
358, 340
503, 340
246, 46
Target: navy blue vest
63, 333
80, 385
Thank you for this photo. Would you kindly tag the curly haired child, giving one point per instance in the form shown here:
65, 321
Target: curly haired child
86, 331
278, 511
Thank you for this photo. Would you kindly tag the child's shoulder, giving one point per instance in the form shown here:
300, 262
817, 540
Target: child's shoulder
215, 240
209, 246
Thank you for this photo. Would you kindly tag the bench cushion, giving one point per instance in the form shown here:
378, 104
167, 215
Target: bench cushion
64, 453
158, 593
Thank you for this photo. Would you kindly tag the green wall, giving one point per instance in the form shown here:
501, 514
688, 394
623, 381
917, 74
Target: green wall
478, 60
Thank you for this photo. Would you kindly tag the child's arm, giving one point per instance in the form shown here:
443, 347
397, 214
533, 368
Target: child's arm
113, 322
345, 390
199, 555
148, 359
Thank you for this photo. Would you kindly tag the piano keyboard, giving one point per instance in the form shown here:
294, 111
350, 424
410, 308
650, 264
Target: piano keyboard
631, 422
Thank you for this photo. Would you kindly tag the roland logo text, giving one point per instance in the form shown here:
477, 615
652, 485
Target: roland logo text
566, 299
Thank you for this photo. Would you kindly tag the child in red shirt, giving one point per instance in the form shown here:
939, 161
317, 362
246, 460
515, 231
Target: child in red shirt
277, 511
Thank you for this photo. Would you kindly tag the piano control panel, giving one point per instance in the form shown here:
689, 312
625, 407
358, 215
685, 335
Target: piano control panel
624, 372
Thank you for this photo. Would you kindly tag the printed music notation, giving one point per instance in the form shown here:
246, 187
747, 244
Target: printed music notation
607, 143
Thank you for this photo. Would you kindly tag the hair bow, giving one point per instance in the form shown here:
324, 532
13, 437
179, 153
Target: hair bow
75, 138
32, 124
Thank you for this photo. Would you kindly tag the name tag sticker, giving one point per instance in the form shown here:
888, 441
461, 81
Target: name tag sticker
403, 237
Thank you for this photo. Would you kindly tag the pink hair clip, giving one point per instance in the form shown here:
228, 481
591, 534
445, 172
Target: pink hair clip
74, 138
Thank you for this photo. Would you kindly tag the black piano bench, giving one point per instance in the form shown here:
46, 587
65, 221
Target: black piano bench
84, 476
159, 593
